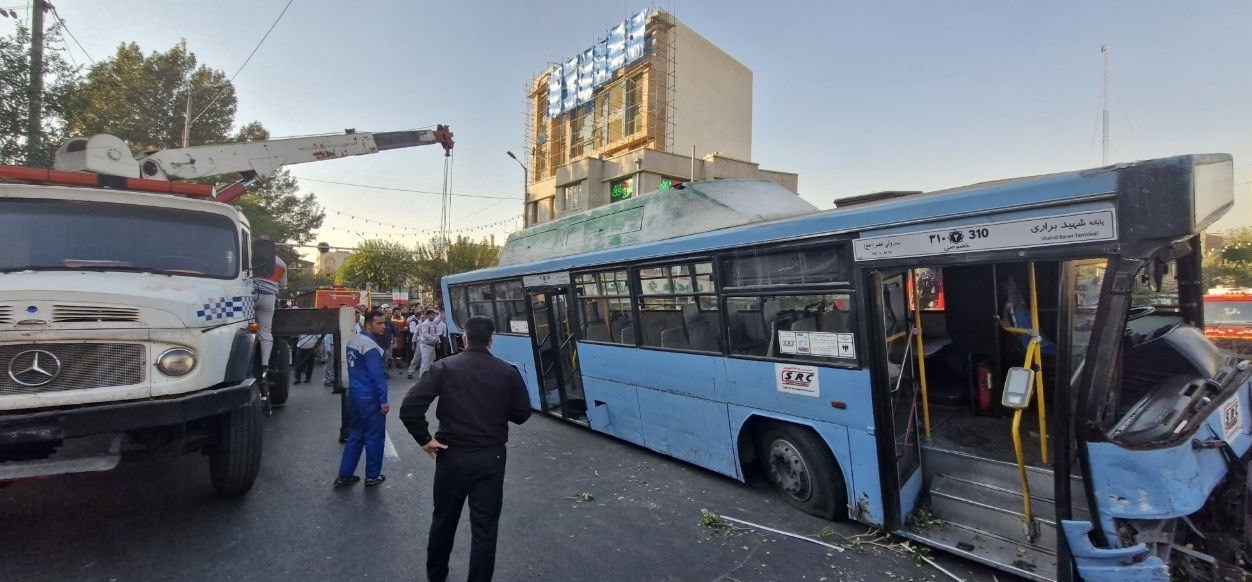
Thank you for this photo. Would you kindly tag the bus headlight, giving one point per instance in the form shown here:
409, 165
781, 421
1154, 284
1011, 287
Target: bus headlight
176, 362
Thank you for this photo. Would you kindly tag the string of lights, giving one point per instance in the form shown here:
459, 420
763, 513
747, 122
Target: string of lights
410, 230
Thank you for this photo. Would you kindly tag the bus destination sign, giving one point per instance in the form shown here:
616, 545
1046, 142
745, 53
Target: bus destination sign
1078, 227
557, 279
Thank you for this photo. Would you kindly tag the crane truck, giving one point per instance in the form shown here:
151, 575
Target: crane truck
126, 303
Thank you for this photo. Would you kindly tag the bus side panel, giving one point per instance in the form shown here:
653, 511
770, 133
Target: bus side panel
612, 407
691, 374
516, 350
692, 429
755, 384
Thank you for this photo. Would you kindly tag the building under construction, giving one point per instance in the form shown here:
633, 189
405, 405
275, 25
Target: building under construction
651, 105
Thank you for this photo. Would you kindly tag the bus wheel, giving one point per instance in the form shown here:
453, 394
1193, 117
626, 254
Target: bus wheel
803, 470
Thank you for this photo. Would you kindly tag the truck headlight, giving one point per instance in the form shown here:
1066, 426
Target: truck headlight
176, 362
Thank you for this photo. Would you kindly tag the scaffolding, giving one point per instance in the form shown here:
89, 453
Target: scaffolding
634, 109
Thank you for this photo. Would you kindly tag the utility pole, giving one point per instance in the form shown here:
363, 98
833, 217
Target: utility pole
34, 126
1104, 107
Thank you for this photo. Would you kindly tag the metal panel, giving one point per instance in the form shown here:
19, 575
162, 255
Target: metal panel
77, 366
692, 429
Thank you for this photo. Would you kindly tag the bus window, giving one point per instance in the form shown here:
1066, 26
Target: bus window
930, 288
815, 328
1088, 279
678, 307
822, 265
460, 306
605, 307
510, 303
479, 302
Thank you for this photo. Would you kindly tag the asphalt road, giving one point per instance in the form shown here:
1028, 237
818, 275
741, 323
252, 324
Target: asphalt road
578, 506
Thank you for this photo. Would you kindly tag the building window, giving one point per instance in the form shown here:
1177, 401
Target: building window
532, 213
571, 196
547, 209
678, 307
633, 88
621, 189
604, 301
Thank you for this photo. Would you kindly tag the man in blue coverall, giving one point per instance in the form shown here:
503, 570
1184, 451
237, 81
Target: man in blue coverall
367, 392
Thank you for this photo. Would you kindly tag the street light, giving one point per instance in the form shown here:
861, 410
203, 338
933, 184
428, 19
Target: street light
525, 187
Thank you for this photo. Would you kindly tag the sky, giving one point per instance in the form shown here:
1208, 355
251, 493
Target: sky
855, 97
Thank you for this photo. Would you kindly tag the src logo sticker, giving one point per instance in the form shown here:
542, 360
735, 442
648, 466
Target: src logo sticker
802, 380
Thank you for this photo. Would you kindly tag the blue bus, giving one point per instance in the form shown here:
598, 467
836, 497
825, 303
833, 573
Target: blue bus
989, 370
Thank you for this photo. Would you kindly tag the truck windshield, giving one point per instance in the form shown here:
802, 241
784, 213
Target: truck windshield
77, 235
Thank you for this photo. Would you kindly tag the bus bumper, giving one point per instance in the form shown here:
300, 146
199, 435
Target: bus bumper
1133, 564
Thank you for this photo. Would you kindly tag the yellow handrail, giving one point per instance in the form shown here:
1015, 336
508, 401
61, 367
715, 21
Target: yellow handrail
1039, 400
921, 352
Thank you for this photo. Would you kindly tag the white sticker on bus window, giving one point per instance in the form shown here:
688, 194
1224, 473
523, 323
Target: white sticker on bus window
847, 345
824, 344
802, 342
787, 342
1078, 227
1232, 420
516, 326
801, 380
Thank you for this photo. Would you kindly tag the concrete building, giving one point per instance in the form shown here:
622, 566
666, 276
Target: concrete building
651, 105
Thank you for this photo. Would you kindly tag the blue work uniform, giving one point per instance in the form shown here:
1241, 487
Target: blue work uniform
367, 392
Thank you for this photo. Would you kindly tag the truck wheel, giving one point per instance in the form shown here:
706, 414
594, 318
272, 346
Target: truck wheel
803, 470
236, 458
280, 373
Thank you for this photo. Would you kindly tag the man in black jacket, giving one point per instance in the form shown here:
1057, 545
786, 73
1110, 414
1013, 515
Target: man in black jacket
479, 395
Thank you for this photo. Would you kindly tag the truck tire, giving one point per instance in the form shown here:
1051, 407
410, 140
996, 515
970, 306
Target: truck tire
280, 372
803, 471
236, 457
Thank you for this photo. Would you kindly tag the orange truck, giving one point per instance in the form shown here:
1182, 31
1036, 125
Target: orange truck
1228, 320
332, 297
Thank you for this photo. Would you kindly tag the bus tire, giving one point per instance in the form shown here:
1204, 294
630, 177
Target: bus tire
803, 471
236, 457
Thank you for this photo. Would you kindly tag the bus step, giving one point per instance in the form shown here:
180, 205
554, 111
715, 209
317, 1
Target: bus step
993, 509
1006, 555
968, 467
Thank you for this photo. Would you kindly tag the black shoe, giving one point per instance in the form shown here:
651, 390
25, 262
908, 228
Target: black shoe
295, 382
410, 376
372, 481
346, 481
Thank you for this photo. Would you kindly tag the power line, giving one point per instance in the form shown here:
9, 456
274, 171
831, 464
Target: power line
245, 62
407, 189
57, 15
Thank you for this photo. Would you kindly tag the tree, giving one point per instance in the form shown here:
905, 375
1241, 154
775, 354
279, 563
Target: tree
380, 265
461, 255
143, 99
60, 78
1232, 265
274, 207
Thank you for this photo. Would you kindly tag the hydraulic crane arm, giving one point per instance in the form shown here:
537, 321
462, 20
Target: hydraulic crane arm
109, 155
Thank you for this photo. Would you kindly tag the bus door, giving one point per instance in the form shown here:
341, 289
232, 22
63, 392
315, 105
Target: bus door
556, 354
891, 308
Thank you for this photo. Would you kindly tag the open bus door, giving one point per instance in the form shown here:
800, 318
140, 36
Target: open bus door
891, 308
556, 353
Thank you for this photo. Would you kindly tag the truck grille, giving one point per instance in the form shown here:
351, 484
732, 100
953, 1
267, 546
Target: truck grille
92, 313
82, 365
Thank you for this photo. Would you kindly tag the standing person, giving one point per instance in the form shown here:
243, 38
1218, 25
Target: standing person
400, 339
367, 391
479, 395
328, 373
389, 334
427, 341
415, 321
441, 331
306, 352
267, 289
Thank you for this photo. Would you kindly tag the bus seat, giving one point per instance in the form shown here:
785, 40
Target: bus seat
596, 331
702, 337
627, 335
674, 337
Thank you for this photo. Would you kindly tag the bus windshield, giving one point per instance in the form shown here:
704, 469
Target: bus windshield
76, 235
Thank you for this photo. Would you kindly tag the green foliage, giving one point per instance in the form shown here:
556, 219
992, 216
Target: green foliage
143, 99
380, 265
1232, 265
274, 207
712, 520
60, 78
440, 258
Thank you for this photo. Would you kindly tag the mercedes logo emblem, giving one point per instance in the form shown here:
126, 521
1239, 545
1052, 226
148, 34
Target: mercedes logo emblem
34, 368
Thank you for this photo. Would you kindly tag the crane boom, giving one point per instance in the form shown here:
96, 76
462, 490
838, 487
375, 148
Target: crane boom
109, 155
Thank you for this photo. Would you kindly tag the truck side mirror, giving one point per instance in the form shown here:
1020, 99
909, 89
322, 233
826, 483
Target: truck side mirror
263, 258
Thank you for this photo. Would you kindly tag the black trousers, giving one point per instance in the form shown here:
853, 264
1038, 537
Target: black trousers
477, 475
304, 364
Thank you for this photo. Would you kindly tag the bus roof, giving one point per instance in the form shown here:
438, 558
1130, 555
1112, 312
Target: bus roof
1019, 196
